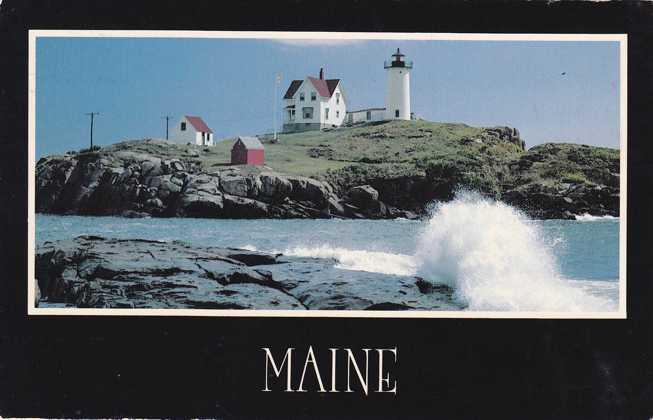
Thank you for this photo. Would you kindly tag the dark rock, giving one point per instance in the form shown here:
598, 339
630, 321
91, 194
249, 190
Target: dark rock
243, 208
252, 258
335, 207
140, 178
132, 214
37, 294
423, 285
363, 194
95, 272
275, 186
308, 189
388, 306
173, 165
234, 185
201, 204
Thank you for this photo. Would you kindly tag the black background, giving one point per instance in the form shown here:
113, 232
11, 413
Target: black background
213, 367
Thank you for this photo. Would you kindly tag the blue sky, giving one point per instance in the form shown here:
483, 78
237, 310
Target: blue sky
133, 82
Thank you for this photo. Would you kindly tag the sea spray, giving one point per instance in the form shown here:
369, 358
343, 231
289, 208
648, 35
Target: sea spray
359, 260
586, 217
495, 259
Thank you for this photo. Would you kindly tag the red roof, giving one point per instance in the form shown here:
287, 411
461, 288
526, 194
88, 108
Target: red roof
199, 124
324, 87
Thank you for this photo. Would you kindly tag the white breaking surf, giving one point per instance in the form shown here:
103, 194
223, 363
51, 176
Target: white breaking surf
495, 260
492, 255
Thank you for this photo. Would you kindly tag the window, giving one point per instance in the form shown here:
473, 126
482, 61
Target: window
368, 115
326, 113
337, 98
301, 96
313, 96
308, 113
337, 114
183, 126
396, 113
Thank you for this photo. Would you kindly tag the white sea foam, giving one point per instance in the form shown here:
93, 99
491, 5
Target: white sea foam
589, 218
495, 260
360, 260
492, 255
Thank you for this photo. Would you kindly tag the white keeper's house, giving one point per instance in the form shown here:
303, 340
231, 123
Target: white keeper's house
191, 130
313, 104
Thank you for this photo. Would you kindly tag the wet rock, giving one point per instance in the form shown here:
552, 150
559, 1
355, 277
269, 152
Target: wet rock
423, 285
243, 208
319, 285
201, 204
37, 294
388, 306
132, 214
252, 258
96, 272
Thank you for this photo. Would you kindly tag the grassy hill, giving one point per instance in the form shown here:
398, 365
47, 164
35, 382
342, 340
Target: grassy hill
399, 147
409, 163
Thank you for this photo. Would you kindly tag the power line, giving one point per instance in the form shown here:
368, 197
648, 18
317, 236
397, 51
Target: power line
92, 114
277, 80
167, 118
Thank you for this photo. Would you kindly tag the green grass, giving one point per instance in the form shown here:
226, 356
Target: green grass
575, 177
392, 148
406, 144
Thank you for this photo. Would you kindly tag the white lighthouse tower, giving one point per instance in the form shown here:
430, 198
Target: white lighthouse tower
397, 95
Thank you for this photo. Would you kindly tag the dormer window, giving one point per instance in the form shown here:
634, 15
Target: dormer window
301, 96
313, 96
183, 126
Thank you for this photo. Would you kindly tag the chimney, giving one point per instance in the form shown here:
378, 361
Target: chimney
321, 73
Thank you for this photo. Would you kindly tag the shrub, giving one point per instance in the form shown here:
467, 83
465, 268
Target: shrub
94, 148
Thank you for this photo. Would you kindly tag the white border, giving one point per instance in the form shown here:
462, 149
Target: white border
31, 219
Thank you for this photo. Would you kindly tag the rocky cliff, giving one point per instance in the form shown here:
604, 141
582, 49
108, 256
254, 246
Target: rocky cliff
378, 171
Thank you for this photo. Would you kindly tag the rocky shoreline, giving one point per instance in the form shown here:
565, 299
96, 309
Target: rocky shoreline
154, 178
137, 185
96, 272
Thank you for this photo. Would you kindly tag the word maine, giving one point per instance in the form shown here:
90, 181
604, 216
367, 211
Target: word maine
314, 368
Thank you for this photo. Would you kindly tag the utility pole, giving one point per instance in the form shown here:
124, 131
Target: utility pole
277, 80
92, 114
167, 118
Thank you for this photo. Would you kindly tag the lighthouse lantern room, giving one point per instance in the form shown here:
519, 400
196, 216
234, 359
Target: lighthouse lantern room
397, 99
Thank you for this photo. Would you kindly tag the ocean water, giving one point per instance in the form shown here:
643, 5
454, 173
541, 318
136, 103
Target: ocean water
494, 257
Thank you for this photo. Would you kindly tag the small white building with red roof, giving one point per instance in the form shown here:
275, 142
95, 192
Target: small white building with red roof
313, 104
191, 130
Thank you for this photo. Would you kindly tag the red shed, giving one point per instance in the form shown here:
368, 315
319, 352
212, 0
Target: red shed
247, 151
